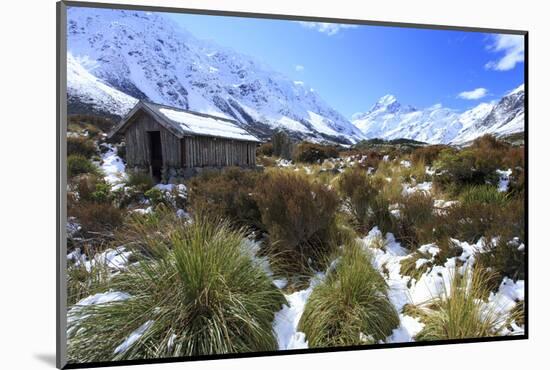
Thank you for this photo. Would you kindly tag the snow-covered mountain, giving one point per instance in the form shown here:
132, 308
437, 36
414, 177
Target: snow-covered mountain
133, 54
505, 117
388, 119
88, 94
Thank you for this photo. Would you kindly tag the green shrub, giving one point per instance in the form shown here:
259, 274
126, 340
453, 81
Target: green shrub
313, 153
461, 312
471, 221
505, 259
77, 165
81, 145
266, 149
358, 191
155, 196
363, 197
204, 296
227, 194
483, 194
427, 154
416, 220
93, 188
298, 214
351, 306
141, 181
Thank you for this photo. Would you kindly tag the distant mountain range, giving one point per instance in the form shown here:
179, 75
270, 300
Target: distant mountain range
116, 57
389, 119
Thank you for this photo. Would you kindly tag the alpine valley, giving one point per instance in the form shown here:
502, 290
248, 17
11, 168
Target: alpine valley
117, 57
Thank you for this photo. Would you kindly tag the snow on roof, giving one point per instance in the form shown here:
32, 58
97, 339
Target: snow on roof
196, 123
206, 125
182, 122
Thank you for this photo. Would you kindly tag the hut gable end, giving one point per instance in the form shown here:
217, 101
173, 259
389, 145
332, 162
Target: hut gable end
167, 141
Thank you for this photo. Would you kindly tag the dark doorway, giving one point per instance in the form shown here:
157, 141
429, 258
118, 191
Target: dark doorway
156, 155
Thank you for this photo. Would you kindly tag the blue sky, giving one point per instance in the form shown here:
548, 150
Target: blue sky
351, 67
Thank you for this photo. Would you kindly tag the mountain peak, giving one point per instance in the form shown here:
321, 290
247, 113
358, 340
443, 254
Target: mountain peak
386, 100
520, 88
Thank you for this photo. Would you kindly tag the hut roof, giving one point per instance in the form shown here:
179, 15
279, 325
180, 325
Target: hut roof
181, 122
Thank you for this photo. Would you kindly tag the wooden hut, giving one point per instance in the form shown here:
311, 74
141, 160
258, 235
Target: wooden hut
171, 142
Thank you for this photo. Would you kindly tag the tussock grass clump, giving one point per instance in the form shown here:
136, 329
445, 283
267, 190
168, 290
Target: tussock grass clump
81, 145
227, 194
461, 312
78, 164
351, 306
203, 296
299, 216
82, 282
485, 194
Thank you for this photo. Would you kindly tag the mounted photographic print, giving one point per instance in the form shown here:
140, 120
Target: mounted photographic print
235, 184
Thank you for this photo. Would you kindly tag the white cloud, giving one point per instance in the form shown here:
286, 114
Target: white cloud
299, 68
513, 48
474, 94
327, 28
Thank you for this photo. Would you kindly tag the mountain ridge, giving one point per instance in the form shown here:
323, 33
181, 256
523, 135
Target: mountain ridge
389, 119
147, 56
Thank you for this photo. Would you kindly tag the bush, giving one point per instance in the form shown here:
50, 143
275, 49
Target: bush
91, 121
298, 214
427, 154
483, 194
416, 220
204, 296
92, 188
461, 312
504, 257
155, 196
96, 217
313, 153
351, 306
282, 145
477, 164
77, 165
266, 149
471, 221
141, 181
466, 167
82, 146
362, 195
227, 194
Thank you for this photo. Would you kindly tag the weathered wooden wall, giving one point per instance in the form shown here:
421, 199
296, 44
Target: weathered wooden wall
189, 152
202, 151
137, 143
